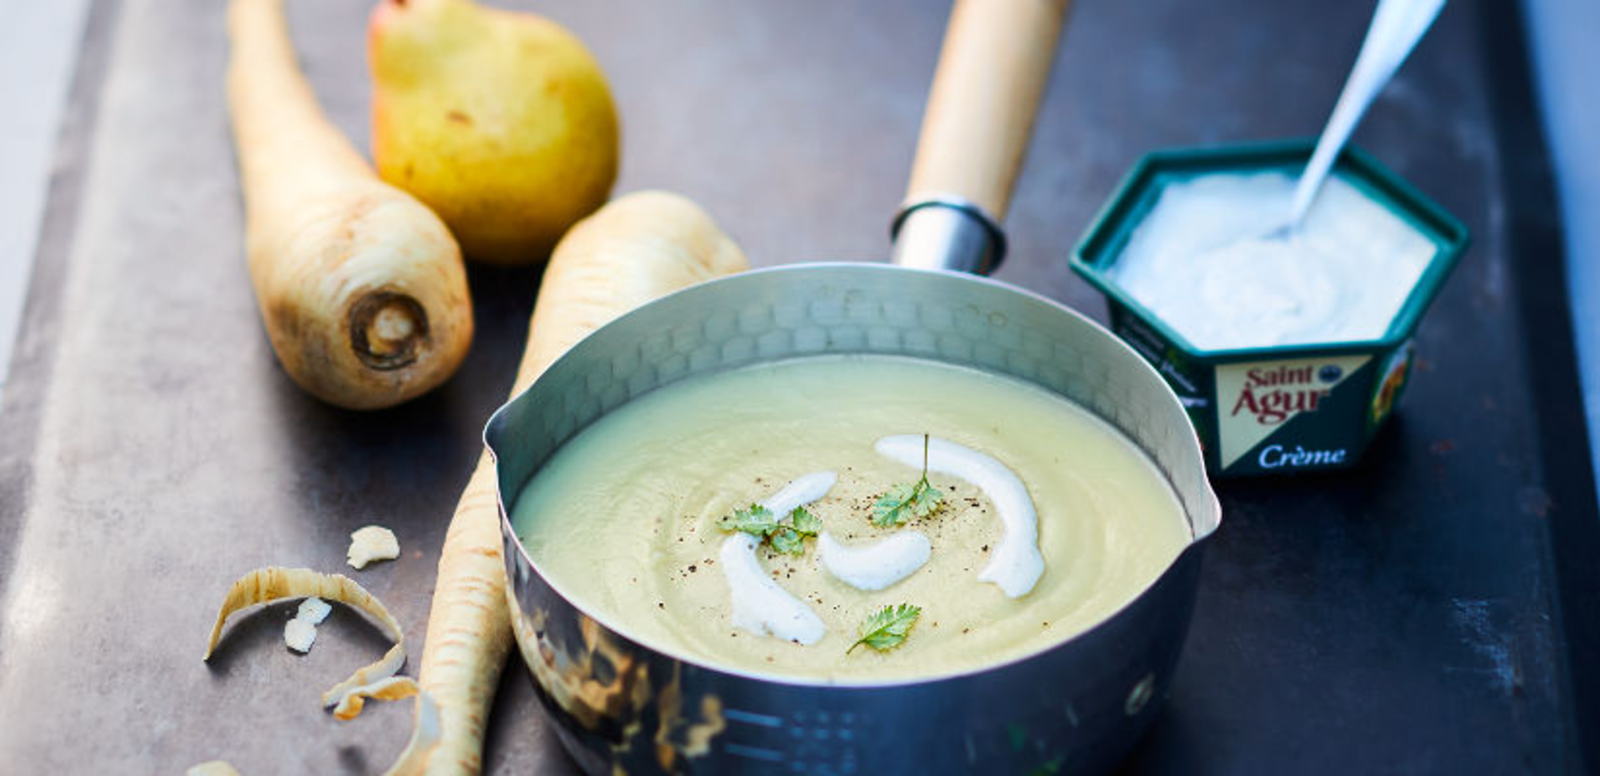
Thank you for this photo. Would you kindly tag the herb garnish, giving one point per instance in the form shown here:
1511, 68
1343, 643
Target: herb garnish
756, 520
760, 522
904, 500
888, 628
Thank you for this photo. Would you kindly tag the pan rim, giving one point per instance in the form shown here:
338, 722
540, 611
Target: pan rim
1201, 527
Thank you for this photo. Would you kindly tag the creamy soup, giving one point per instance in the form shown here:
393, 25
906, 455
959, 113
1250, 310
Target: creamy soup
624, 518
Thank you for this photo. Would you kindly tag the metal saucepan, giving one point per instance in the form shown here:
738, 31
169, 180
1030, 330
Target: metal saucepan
1078, 705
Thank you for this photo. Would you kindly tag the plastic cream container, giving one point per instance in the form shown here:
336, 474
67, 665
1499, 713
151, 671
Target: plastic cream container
1289, 353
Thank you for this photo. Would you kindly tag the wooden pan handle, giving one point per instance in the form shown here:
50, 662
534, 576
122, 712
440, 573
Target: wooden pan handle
992, 72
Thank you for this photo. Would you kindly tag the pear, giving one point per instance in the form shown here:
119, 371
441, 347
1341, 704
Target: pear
499, 121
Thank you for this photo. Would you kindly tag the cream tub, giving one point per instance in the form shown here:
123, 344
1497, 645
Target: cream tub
1287, 354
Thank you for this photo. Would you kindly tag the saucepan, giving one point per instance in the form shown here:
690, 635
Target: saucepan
1078, 705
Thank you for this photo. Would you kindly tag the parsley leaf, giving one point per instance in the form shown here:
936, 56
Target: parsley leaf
787, 540
805, 522
906, 500
760, 522
919, 499
756, 520
888, 628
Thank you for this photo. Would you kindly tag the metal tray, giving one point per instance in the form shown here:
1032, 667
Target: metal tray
1432, 611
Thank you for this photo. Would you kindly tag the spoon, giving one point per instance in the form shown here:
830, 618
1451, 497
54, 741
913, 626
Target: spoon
1396, 27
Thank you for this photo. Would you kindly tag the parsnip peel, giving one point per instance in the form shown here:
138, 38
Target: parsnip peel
275, 583
424, 730
370, 543
389, 689
299, 635
313, 610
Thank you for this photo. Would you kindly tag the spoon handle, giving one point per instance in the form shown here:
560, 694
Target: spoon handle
1396, 27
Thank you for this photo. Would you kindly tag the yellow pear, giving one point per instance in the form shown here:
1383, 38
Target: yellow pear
499, 121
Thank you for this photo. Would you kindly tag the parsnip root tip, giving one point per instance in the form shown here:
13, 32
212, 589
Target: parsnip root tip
387, 330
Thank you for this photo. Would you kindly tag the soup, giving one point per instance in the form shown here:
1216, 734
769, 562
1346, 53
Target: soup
629, 518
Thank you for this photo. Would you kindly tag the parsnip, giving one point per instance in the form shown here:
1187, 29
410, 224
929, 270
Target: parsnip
360, 286
635, 249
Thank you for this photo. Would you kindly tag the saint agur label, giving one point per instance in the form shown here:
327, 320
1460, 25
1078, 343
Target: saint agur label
1275, 412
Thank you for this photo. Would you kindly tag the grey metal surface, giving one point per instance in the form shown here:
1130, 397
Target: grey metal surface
1079, 704
40, 41
1404, 616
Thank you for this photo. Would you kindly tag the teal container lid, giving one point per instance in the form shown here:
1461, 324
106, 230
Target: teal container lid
1136, 195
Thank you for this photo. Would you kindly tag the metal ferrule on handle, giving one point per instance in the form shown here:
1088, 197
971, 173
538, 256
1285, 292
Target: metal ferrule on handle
947, 232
